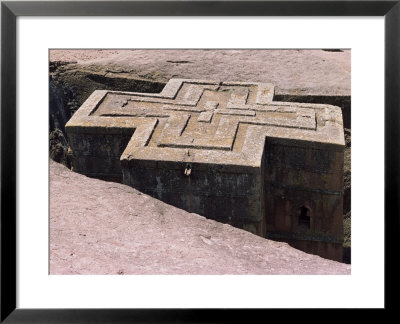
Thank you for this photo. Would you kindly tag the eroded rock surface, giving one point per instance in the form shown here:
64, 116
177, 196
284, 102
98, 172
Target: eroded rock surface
99, 227
297, 72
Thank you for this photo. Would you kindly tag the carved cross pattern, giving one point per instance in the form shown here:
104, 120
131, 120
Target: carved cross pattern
229, 117
207, 116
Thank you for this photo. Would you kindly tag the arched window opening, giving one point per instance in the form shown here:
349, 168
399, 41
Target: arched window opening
304, 217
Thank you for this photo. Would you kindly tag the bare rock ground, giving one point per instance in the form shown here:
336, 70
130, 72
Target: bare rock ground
294, 72
99, 227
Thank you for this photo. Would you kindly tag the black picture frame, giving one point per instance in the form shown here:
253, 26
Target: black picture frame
10, 10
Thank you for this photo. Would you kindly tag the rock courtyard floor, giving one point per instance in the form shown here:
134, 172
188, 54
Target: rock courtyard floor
99, 227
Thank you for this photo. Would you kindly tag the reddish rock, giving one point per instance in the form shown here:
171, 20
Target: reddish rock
99, 227
296, 72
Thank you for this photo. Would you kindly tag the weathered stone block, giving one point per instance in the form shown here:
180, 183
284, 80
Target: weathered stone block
224, 150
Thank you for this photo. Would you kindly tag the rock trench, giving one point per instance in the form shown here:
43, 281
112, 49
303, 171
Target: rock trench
74, 76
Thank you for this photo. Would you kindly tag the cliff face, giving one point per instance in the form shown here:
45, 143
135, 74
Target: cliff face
99, 227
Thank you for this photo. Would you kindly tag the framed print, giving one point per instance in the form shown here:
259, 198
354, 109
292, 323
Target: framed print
361, 37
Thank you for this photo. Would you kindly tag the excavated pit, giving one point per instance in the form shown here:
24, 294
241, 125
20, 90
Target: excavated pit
70, 86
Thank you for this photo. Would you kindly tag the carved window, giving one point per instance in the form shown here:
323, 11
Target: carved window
304, 217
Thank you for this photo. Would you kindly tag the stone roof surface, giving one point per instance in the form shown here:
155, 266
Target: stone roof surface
204, 117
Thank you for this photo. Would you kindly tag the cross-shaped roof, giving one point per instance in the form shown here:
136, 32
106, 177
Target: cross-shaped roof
207, 122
